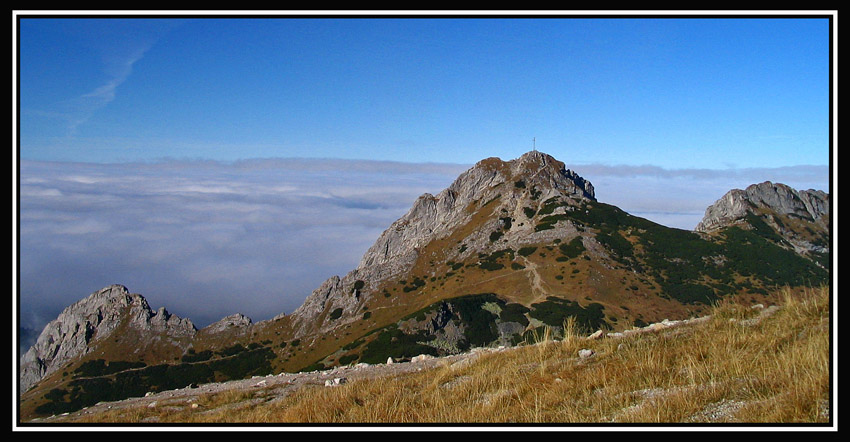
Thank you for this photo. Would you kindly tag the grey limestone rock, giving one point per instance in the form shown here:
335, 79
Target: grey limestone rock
800, 217
491, 181
776, 197
585, 353
236, 321
97, 316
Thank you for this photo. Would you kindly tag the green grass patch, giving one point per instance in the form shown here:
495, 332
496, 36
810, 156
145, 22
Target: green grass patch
526, 251
555, 311
416, 284
99, 367
348, 359
514, 312
335, 314
84, 392
572, 249
392, 342
491, 262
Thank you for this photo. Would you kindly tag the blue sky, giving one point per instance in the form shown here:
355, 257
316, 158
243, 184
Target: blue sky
675, 93
179, 156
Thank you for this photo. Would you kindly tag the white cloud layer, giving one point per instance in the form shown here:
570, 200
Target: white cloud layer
204, 239
208, 239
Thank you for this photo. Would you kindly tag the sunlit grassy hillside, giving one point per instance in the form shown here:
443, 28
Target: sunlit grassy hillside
739, 365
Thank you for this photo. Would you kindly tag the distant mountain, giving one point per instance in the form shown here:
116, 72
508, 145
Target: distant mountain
794, 219
111, 311
509, 248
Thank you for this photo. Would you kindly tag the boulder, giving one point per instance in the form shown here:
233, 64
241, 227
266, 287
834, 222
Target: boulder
585, 353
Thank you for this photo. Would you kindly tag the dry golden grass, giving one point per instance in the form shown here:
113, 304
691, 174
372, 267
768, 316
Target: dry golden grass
740, 365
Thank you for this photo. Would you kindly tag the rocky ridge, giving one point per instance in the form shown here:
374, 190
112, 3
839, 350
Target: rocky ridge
236, 321
774, 202
776, 197
73, 333
433, 217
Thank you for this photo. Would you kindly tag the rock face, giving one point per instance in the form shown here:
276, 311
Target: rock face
236, 321
800, 217
767, 196
434, 217
76, 329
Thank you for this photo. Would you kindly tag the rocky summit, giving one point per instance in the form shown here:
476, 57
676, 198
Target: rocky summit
516, 184
780, 199
798, 219
70, 336
508, 250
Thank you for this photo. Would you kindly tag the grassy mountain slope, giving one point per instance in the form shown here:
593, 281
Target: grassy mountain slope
619, 270
738, 365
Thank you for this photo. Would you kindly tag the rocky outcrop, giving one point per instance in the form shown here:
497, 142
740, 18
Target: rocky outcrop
236, 321
812, 205
74, 332
437, 216
799, 217
317, 302
527, 180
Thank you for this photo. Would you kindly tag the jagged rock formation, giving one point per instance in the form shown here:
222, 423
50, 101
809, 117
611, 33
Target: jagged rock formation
775, 197
781, 208
236, 321
434, 217
73, 333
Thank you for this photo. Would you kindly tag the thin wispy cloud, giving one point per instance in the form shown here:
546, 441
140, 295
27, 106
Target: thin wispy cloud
76, 68
118, 68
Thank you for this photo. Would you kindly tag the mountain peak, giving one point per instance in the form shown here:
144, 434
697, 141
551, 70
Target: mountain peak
529, 161
236, 321
536, 156
767, 197
794, 219
537, 169
546, 171
74, 332
468, 211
